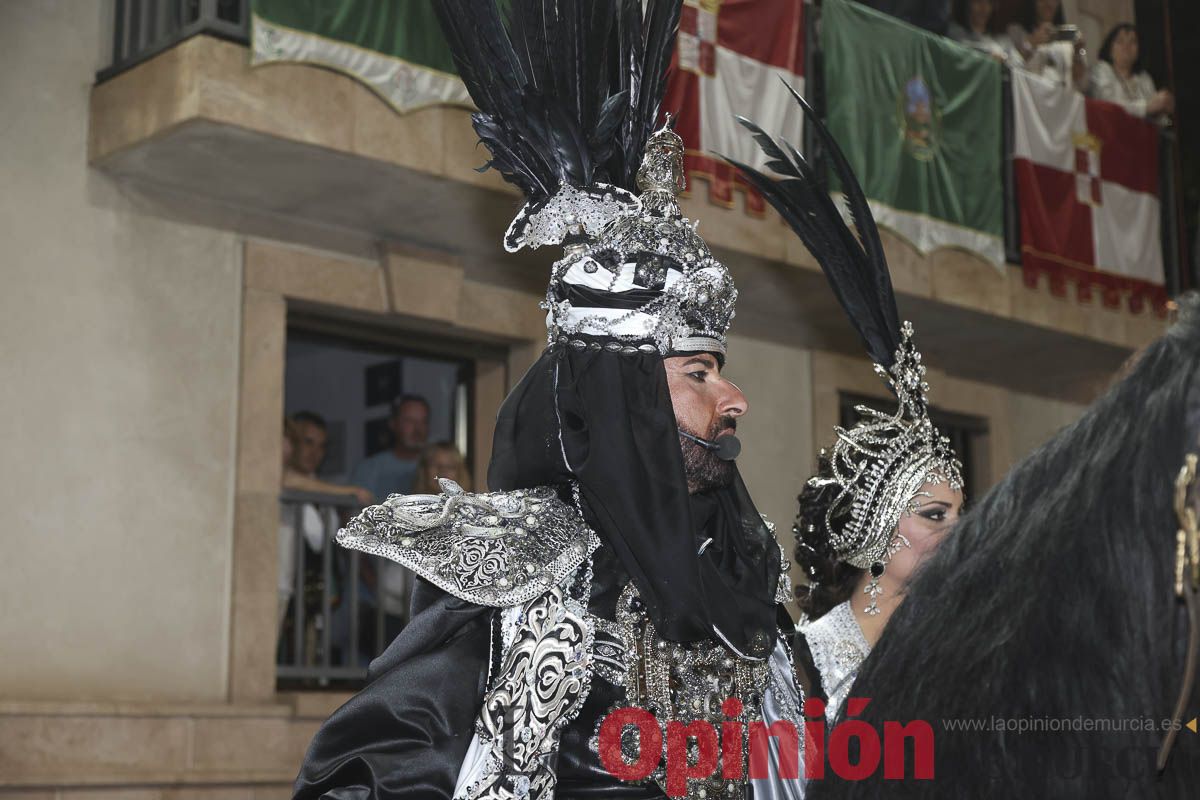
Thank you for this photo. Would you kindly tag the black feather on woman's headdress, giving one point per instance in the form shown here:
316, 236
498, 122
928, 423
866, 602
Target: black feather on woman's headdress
568, 93
880, 464
855, 266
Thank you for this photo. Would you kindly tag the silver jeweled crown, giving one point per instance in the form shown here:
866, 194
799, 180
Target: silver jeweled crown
647, 275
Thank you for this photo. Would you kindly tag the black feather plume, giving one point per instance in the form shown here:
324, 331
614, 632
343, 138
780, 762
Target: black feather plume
855, 266
568, 91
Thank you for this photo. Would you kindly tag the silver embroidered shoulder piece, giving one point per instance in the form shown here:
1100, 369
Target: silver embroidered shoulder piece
495, 549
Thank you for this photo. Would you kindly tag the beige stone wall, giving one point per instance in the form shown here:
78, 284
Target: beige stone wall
118, 351
1037, 419
776, 434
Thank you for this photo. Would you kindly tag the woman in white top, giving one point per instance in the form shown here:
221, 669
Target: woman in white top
1119, 77
845, 607
972, 26
1039, 45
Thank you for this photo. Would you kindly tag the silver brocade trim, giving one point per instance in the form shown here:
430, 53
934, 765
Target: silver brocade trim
543, 683
588, 210
882, 462
495, 549
611, 651
838, 648
686, 682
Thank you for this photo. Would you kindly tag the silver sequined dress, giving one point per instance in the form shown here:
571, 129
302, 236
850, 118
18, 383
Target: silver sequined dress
838, 648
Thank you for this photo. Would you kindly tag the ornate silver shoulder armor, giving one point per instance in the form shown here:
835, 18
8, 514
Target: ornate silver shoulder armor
495, 549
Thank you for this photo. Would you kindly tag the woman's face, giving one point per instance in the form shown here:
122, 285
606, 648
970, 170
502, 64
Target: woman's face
1046, 9
443, 464
1125, 49
933, 512
978, 14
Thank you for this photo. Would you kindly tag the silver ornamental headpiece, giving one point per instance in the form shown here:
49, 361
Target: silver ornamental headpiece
646, 275
882, 462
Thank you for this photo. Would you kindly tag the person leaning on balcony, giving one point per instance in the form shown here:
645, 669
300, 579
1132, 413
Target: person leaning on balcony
1119, 77
303, 449
972, 26
1038, 44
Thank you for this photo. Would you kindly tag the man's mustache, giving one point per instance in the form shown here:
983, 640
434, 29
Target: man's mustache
723, 425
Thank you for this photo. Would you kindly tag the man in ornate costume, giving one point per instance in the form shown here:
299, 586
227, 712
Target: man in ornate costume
619, 560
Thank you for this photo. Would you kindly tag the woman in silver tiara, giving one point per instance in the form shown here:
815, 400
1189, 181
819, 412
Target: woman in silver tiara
890, 487
845, 608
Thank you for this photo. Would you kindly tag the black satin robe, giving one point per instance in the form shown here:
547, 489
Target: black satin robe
406, 734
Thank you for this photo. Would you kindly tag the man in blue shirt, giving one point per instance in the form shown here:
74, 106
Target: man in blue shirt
393, 471
387, 584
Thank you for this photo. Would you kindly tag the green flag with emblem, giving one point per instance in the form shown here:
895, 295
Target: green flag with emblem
919, 118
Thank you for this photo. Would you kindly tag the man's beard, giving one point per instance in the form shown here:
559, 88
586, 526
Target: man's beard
701, 466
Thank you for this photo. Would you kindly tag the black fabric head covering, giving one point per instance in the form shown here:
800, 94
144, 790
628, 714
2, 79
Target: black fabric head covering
568, 95
620, 440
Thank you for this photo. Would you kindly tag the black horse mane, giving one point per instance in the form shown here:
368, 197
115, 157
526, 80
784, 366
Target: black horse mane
1053, 599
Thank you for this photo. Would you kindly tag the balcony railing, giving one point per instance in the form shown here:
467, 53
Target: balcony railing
333, 615
144, 28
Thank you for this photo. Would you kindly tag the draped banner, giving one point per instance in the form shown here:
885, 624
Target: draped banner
731, 58
919, 118
393, 46
1087, 186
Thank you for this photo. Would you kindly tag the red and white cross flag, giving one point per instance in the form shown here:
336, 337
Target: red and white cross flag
1087, 187
729, 59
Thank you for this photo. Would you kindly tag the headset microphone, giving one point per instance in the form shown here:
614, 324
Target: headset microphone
726, 448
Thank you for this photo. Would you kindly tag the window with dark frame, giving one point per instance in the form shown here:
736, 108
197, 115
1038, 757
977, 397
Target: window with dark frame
339, 609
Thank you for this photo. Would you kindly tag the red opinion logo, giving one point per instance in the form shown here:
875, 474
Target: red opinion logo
694, 750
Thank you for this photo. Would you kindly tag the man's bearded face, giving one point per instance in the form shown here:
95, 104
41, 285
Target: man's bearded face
708, 406
703, 469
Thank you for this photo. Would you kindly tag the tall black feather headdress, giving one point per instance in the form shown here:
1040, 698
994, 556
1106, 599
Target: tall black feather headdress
568, 93
882, 462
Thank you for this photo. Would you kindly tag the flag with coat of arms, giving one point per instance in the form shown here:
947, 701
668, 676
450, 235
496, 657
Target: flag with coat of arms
1087, 187
731, 58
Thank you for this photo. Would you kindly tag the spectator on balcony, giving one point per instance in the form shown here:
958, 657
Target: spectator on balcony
307, 432
304, 438
441, 460
393, 470
1045, 45
972, 26
1120, 78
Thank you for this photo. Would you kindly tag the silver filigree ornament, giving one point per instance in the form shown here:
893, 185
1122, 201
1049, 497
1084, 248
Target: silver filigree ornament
541, 686
493, 549
570, 211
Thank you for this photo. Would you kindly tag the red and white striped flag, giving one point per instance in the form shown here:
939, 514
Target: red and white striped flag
729, 59
1087, 187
